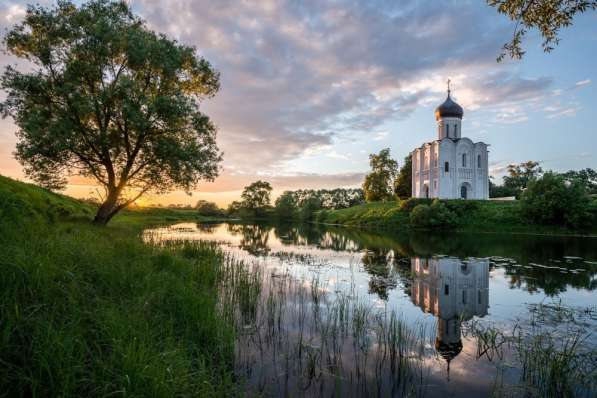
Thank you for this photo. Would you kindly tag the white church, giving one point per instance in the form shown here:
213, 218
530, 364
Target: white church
451, 167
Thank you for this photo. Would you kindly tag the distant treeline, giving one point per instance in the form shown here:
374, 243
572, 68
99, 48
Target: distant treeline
302, 204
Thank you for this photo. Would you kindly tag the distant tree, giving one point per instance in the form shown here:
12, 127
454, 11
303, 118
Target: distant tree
403, 184
208, 209
501, 191
234, 208
109, 99
586, 177
293, 204
519, 175
308, 208
256, 197
285, 206
553, 200
379, 183
547, 16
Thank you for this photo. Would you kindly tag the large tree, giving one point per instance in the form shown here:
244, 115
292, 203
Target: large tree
547, 16
379, 183
108, 99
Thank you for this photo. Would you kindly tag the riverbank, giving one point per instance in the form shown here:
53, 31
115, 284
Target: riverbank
94, 311
470, 216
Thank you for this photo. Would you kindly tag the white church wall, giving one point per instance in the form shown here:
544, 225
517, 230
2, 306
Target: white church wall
429, 177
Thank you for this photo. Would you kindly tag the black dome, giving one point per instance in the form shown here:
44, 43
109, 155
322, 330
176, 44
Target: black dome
448, 109
448, 351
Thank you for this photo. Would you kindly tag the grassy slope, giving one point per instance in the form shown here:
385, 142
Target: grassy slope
93, 311
488, 216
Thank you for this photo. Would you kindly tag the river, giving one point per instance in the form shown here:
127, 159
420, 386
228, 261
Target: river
353, 312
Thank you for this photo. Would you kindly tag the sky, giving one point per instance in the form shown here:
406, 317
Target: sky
310, 88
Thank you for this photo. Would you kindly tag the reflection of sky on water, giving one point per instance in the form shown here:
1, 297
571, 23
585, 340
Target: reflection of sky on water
440, 286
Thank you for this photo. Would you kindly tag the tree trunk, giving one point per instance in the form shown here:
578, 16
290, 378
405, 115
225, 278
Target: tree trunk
107, 210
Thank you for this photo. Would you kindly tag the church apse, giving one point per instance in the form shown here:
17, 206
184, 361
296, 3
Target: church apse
453, 290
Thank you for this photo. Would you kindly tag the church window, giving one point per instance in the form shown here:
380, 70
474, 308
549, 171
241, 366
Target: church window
464, 297
455, 130
448, 130
446, 289
434, 184
479, 161
464, 160
447, 167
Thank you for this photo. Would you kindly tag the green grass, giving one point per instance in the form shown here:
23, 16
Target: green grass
89, 310
473, 216
378, 214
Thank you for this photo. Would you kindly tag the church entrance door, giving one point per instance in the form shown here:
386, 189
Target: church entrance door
463, 192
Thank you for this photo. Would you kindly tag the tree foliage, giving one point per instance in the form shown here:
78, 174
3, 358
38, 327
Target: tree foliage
519, 175
586, 177
403, 183
256, 197
291, 203
379, 183
208, 209
285, 206
110, 100
553, 200
501, 191
547, 16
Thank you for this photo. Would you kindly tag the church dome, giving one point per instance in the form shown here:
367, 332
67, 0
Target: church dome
448, 109
448, 351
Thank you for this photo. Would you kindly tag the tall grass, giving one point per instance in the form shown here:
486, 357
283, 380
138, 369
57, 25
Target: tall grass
552, 354
94, 311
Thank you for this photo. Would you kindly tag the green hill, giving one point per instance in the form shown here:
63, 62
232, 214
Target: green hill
469, 216
93, 311
20, 201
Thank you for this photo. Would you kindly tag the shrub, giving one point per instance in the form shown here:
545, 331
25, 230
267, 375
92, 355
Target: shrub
461, 207
436, 215
409, 204
552, 200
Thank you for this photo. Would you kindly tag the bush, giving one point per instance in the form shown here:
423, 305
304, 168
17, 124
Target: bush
552, 200
436, 215
409, 204
461, 207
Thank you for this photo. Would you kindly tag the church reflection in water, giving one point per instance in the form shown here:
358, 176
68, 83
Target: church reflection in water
454, 291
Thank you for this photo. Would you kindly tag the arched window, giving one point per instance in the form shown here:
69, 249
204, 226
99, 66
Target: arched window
447, 167
448, 130
464, 160
455, 130
479, 161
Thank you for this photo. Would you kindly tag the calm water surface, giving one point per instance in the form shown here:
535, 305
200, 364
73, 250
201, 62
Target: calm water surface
334, 299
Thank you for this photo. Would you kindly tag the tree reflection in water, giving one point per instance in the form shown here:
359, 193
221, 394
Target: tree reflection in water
313, 324
255, 237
